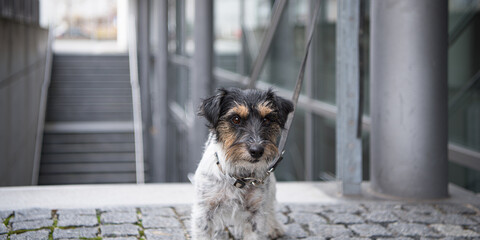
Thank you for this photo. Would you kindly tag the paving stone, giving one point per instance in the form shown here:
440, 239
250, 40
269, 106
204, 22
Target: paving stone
381, 216
118, 217
475, 228
306, 218
83, 212
5, 214
419, 217
77, 220
37, 235
475, 218
82, 232
350, 238
121, 238
329, 231
121, 230
420, 208
379, 206
3, 228
36, 224
31, 214
183, 210
165, 234
187, 223
310, 208
119, 210
370, 230
455, 208
294, 230
412, 230
454, 230
158, 211
396, 238
344, 218
314, 238
345, 208
283, 208
456, 219
282, 218
160, 222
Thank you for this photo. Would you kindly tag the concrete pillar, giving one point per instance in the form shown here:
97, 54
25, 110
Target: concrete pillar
201, 85
408, 51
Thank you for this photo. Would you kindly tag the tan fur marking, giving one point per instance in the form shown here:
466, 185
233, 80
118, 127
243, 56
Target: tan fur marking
264, 109
227, 135
241, 110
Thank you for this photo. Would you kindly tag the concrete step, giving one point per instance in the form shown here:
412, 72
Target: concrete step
77, 168
89, 127
90, 70
52, 138
88, 148
87, 178
89, 100
89, 92
89, 116
87, 157
88, 136
90, 77
89, 107
90, 84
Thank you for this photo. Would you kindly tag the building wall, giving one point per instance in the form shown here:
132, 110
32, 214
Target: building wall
23, 47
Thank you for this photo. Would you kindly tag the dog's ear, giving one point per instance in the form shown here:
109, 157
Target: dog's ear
284, 107
211, 107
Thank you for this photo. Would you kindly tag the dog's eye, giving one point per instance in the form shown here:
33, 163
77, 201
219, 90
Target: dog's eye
266, 121
236, 120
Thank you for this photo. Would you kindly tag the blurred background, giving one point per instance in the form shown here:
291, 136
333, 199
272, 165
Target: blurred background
88, 135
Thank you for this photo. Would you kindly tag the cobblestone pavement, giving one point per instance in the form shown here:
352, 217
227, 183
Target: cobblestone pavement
340, 221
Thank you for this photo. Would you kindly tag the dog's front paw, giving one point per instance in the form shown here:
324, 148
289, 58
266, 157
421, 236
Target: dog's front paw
276, 232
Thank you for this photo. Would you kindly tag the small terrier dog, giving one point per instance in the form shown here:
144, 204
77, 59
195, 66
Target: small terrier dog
232, 185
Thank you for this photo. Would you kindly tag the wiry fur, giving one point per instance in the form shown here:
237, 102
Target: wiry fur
218, 203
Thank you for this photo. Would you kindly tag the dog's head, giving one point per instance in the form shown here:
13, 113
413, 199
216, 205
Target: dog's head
247, 123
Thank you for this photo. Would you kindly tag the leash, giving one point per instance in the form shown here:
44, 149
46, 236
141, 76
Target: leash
242, 182
296, 94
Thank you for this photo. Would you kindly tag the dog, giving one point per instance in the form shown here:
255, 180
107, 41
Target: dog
232, 184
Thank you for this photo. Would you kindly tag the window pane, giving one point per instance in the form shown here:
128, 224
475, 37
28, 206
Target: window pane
239, 28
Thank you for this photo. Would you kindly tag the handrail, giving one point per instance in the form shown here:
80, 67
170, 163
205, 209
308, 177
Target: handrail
461, 26
278, 9
42, 107
456, 153
463, 90
136, 101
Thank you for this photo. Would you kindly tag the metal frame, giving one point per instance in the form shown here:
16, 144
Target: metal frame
202, 83
159, 93
136, 101
348, 142
42, 107
313, 107
278, 9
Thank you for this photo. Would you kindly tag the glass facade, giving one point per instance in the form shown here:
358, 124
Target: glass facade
464, 86
239, 27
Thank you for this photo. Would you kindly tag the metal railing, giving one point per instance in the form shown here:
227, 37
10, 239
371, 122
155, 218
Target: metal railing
43, 106
457, 154
136, 101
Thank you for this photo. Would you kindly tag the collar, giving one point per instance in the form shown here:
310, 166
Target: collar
242, 182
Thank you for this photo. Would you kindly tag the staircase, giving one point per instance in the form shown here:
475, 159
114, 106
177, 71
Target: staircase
88, 135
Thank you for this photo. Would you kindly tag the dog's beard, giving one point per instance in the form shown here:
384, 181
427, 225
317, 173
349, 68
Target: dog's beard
242, 164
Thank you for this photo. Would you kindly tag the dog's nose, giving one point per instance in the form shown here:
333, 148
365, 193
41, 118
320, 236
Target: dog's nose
256, 150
